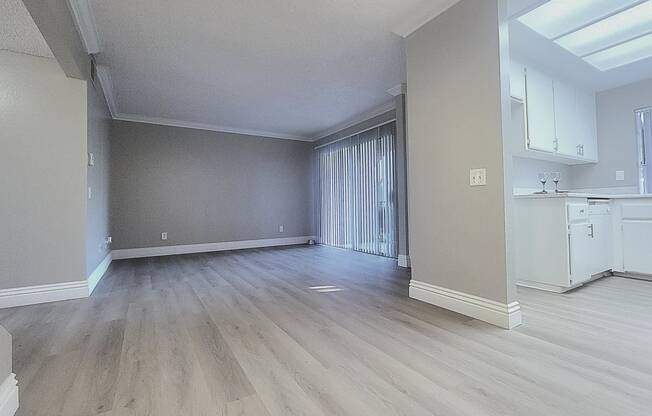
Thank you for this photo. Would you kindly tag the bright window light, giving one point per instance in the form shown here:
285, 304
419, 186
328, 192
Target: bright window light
611, 31
623, 54
559, 17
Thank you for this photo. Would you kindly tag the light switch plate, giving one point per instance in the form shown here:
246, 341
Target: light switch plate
620, 175
478, 177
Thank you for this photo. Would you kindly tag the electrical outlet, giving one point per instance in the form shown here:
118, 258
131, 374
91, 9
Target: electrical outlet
281, 228
164, 236
478, 177
91, 159
620, 175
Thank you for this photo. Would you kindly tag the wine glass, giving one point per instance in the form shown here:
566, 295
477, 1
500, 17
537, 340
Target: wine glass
556, 177
543, 178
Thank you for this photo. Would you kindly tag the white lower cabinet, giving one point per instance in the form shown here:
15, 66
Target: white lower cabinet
601, 232
579, 251
633, 236
561, 243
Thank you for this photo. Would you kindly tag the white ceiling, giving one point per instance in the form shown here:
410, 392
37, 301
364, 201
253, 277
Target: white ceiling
290, 68
531, 47
18, 32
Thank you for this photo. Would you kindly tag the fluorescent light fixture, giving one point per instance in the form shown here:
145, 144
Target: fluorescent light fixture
618, 28
605, 33
623, 54
559, 17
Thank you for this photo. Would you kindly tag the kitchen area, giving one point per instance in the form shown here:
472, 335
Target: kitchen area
580, 139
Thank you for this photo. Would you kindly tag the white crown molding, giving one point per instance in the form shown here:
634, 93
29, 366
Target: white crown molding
9, 396
134, 253
503, 315
426, 11
397, 90
357, 120
85, 23
106, 84
31, 295
98, 273
203, 126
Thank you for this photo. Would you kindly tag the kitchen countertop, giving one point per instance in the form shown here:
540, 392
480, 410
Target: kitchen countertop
583, 195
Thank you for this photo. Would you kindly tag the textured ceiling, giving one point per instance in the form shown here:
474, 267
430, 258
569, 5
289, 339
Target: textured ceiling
292, 67
18, 32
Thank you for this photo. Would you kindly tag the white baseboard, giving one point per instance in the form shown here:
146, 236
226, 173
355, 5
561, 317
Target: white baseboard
9, 396
404, 260
31, 295
134, 253
98, 273
503, 315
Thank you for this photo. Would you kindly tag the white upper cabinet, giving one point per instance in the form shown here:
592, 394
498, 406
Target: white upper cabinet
566, 119
539, 103
557, 121
517, 81
587, 135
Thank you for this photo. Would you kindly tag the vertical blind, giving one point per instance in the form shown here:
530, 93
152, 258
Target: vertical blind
357, 184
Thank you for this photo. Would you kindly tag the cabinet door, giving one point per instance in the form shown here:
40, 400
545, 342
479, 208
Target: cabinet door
588, 138
517, 80
566, 119
540, 111
637, 240
601, 249
580, 253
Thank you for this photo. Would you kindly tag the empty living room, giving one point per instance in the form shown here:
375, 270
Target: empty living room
325, 207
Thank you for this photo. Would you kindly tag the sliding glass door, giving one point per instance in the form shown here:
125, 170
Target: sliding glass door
357, 185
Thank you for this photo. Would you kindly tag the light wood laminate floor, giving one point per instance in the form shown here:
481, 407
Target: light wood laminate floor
243, 333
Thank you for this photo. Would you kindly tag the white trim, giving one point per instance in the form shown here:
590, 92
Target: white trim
106, 84
397, 90
9, 396
31, 295
428, 11
86, 26
134, 253
358, 119
203, 126
503, 315
98, 273
404, 260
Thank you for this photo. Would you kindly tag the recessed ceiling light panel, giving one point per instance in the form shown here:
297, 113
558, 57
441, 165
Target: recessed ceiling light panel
605, 33
623, 54
559, 17
611, 31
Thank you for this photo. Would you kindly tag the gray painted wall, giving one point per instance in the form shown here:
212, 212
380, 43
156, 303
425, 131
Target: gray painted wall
97, 208
401, 175
42, 173
617, 146
456, 109
204, 187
